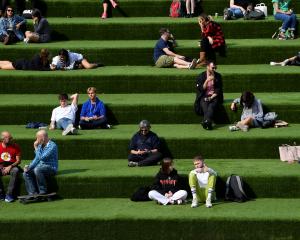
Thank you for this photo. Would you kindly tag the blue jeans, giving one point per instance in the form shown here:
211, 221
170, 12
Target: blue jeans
237, 13
36, 179
63, 123
289, 21
93, 123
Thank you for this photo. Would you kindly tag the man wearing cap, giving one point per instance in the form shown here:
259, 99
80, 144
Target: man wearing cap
144, 147
10, 158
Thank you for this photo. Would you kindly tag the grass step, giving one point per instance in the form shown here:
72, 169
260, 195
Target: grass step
147, 79
141, 52
131, 108
182, 140
120, 218
147, 28
132, 8
102, 177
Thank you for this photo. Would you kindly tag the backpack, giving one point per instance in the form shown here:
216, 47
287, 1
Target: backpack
254, 15
141, 195
235, 189
175, 9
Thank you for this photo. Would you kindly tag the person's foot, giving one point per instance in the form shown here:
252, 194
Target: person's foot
6, 40
107, 126
188, 15
99, 65
233, 128
26, 40
244, 128
68, 130
281, 36
292, 35
114, 4
193, 64
208, 203
207, 125
225, 13
9, 198
132, 164
74, 131
194, 203
104, 15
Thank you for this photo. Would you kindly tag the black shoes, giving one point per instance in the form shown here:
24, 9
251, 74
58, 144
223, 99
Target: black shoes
207, 125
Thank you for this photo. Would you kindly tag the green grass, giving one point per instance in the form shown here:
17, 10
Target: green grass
147, 79
183, 141
140, 52
130, 108
120, 219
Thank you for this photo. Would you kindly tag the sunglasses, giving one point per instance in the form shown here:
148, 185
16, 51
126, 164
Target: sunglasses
9, 10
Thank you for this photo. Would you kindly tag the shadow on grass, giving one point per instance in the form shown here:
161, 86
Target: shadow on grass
70, 171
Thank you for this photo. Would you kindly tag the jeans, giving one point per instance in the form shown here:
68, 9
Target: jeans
289, 21
63, 123
13, 182
145, 159
93, 124
36, 180
237, 13
208, 109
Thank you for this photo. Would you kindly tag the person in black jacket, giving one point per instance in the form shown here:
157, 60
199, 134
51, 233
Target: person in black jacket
39, 62
144, 147
209, 93
167, 188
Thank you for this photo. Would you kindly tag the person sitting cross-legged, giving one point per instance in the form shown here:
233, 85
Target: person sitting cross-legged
63, 116
144, 147
167, 188
202, 182
43, 167
93, 113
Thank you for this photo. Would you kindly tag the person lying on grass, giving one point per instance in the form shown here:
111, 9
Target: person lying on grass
292, 61
67, 60
40, 62
167, 188
164, 55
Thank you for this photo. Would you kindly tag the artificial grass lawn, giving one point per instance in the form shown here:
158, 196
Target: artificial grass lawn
148, 79
263, 177
130, 108
182, 140
140, 52
122, 219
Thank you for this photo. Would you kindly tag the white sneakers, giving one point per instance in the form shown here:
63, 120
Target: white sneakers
70, 130
195, 203
193, 64
208, 203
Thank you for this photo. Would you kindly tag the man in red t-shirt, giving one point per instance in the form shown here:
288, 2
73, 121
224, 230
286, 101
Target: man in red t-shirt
10, 158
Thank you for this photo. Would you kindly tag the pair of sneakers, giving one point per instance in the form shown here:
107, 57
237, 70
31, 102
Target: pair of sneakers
70, 130
195, 203
239, 126
193, 64
7, 198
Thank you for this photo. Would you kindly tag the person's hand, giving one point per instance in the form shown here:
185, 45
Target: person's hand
170, 194
233, 106
94, 117
180, 57
140, 152
36, 143
26, 168
18, 26
211, 41
6, 170
289, 12
199, 170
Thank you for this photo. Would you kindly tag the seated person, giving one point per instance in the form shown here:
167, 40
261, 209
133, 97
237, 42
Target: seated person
41, 27
105, 4
190, 6
44, 165
165, 57
10, 27
287, 16
63, 117
252, 115
67, 60
40, 62
238, 9
210, 93
167, 188
93, 113
202, 181
10, 159
212, 41
293, 61
144, 147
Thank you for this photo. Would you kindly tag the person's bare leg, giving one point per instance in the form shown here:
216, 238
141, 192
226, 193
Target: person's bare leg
32, 37
88, 65
6, 65
192, 6
188, 6
181, 61
104, 14
181, 66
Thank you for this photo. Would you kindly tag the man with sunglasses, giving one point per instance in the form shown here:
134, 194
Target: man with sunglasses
144, 147
209, 94
10, 158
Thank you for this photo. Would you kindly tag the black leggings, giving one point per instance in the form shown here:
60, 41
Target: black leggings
211, 52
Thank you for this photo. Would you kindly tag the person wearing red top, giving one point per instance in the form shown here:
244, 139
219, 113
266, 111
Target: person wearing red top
10, 158
212, 41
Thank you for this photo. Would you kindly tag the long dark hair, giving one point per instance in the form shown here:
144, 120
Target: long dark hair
7, 7
37, 13
64, 52
247, 99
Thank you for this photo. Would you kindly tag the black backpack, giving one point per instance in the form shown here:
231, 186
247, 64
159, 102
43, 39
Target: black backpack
235, 189
254, 15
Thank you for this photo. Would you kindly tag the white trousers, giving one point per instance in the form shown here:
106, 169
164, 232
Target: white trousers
179, 195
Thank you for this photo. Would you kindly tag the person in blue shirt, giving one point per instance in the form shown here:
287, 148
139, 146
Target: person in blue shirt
164, 55
43, 166
11, 27
93, 112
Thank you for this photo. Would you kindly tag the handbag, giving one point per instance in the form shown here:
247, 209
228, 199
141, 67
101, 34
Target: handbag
289, 153
262, 7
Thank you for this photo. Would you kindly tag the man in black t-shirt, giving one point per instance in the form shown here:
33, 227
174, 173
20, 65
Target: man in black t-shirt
144, 147
164, 55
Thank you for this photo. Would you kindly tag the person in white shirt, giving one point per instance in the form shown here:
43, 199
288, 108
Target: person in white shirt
202, 181
63, 117
67, 60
